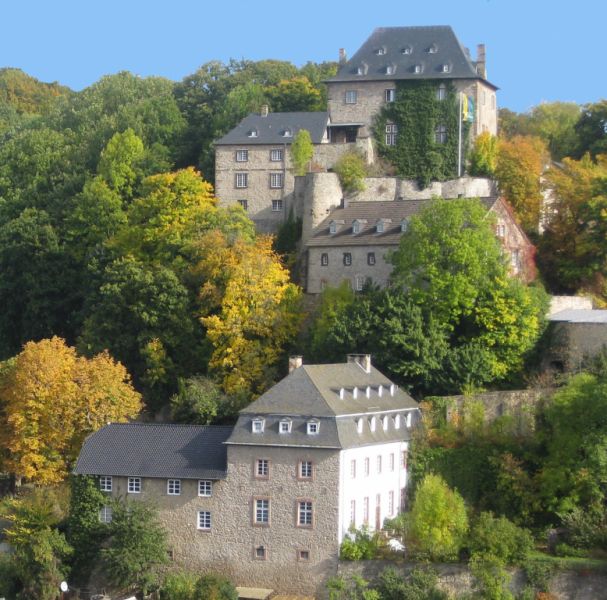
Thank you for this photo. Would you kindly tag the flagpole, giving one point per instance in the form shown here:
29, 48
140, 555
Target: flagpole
459, 141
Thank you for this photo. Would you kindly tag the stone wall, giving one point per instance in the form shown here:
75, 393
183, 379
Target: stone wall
457, 579
571, 344
559, 303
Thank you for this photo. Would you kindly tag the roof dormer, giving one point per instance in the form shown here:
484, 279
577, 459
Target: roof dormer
258, 425
404, 225
253, 133
432, 49
362, 69
408, 49
382, 224
358, 225
380, 51
287, 132
418, 68
390, 69
284, 425
335, 226
313, 427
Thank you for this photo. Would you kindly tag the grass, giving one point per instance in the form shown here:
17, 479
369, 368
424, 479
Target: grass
572, 563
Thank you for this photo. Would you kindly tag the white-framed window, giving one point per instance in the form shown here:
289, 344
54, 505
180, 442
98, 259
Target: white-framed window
404, 225
134, 485
385, 422
359, 425
347, 259
353, 469
440, 134
433, 49
105, 483
389, 70
276, 154
441, 92
391, 503
276, 181
313, 427
305, 469
379, 227
371, 258
359, 283
242, 155
367, 467
105, 514
262, 511
378, 463
173, 487
407, 50
417, 69
262, 467
380, 51
253, 133
260, 553
305, 513
284, 426
446, 68
204, 520
391, 133
356, 227
257, 425
353, 512
324, 259
391, 461
276, 205
244, 204
288, 132
205, 487
351, 97
396, 421
390, 95
366, 510
242, 180
409, 419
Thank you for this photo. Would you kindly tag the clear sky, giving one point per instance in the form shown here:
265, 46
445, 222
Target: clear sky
536, 49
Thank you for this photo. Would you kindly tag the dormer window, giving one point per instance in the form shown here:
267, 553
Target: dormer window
390, 70
417, 69
341, 393
368, 391
372, 423
392, 389
253, 133
360, 71
407, 50
359, 425
380, 390
385, 423
257, 425
313, 427
284, 426
404, 225
332, 227
379, 227
446, 68
287, 132
396, 421
409, 417
380, 51
355, 393
433, 49
356, 227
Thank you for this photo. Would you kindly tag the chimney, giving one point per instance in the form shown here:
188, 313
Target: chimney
265, 109
481, 61
362, 360
343, 59
295, 362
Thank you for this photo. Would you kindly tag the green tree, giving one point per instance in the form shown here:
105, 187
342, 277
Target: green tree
420, 585
302, 152
483, 156
136, 548
438, 520
26, 93
198, 401
351, 170
590, 129
555, 122
214, 587
296, 94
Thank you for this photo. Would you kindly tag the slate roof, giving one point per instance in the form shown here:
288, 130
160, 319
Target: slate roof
313, 391
271, 128
371, 211
392, 41
577, 315
155, 450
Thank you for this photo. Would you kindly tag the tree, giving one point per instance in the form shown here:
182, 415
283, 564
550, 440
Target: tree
296, 94
302, 152
198, 401
351, 170
438, 520
136, 546
483, 156
591, 130
555, 122
520, 164
51, 400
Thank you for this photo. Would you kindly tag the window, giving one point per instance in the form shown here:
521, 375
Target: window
433, 49
276, 154
446, 68
483, 97
492, 100
285, 426
347, 259
396, 421
367, 467
276, 180
407, 50
380, 51
391, 503
441, 92
262, 511
501, 230
391, 131
303, 555
390, 95
351, 97
360, 70
353, 512
204, 520
276, 205
244, 204
356, 227
353, 469
417, 69
359, 425
440, 134
242, 180
252, 133
257, 425
304, 513
409, 418
260, 553
134, 486
305, 469
515, 261
372, 422
174, 487
379, 464
262, 468
404, 225
105, 514
287, 132
366, 510
313, 427
242, 155
371, 258
389, 70
324, 259
403, 459
205, 487
359, 283
333, 227
391, 461
105, 483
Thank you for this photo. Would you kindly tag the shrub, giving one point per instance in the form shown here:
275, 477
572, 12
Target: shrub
361, 545
178, 586
351, 170
420, 585
302, 151
214, 587
492, 579
539, 573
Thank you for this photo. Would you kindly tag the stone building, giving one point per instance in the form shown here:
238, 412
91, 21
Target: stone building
323, 449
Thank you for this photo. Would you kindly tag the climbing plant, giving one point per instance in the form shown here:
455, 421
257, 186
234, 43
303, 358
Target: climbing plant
420, 150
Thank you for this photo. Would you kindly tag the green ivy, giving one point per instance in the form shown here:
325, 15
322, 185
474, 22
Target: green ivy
417, 112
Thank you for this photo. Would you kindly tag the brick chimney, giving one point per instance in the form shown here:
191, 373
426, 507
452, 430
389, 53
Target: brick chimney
265, 109
362, 360
342, 56
295, 362
481, 61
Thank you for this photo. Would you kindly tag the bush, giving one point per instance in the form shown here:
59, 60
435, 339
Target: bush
492, 579
351, 170
178, 586
8, 577
539, 573
361, 545
420, 585
214, 587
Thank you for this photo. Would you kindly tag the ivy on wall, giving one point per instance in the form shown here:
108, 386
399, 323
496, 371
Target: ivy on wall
417, 112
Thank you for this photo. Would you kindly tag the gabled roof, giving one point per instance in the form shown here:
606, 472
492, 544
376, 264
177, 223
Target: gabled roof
271, 128
390, 210
155, 450
402, 48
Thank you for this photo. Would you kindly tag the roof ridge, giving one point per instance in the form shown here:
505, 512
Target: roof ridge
183, 425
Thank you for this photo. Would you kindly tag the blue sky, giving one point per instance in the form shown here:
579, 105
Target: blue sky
537, 50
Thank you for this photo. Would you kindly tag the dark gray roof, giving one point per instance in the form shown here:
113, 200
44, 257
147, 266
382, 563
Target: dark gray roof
271, 129
386, 47
313, 392
393, 211
580, 315
155, 450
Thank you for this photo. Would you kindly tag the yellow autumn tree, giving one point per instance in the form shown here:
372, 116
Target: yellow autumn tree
256, 311
51, 399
